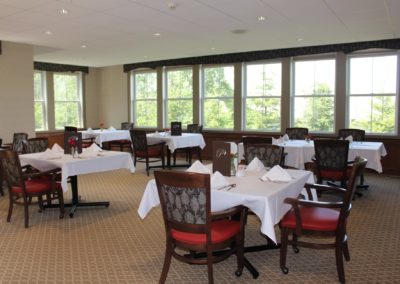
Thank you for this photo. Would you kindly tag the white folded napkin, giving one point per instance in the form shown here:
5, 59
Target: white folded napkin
94, 148
198, 167
57, 148
277, 174
50, 155
218, 181
349, 138
91, 151
286, 137
90, 130
255, 166
157, 134
112, 128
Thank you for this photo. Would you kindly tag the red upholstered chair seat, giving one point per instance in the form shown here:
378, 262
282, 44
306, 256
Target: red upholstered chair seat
152, 153
335, 175
313, 218
32, 187
220, 231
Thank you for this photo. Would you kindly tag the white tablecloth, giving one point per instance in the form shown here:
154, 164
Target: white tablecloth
301, 151
109, 160
175, 142
265, 199
106, 135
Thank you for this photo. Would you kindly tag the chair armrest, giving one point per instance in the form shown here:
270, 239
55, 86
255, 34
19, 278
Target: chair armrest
322, 187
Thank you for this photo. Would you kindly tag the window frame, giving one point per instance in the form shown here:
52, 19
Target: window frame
43, 101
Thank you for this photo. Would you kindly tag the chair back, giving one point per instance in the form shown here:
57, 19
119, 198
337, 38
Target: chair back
194, 128
256, 140
38, 144
297, 133
70, 129
20, 142
11, 168
357, 134
269, 154
176, 128
185, 201
331, 154
127, 125
139, 140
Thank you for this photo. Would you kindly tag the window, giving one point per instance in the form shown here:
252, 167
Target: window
372, 93
39, 80
218, 100
179, 96
144, 98
314, 95
67, 100
262, 99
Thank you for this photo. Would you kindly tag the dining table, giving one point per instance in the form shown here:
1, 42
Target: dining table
264, 198
298, 152
106, 135
174, 142
71, 167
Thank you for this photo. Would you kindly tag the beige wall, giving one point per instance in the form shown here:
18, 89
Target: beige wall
112, 96
92, 97
16, 90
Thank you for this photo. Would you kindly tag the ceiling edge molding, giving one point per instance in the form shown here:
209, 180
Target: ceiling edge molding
53, 67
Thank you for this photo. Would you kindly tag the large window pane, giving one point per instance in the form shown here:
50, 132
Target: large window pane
372, 97
218, 97
40, 101
262, 102
314, 89
144, 99
67, 100
179, 96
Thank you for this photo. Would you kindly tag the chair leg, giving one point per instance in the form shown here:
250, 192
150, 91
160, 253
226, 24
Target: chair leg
346, 252
210, 266
294, 244
239, 254
167, 263
40, 203
61, 202
147, 166
283, 250
199, 154
10, 206
339, 263
26, 212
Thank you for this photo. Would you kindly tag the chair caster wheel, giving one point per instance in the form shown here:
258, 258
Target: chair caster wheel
61, 216
285, 270
238, 273
296, 250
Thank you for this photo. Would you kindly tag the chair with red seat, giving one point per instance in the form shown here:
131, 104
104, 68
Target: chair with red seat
320, 219
190, 225
123, 143
26, 186
331, 160
146, 153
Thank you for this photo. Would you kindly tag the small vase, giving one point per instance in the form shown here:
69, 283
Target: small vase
73, 152
233, 167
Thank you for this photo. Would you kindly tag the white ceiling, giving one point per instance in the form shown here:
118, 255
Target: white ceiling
122, 31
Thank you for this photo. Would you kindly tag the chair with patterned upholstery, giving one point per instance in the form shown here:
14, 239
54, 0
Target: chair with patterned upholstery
20, 142
256, 140
269, 154
297, 133
145, 153
38, 144
331, 160
188, 151
357, 134
316, 220
190, 225
123, 143
23, 187
87, 142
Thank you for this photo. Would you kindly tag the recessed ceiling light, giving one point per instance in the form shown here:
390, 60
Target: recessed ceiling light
83, 46
156, 34
63, 11
299, 39
47, 32
239, 31
213, 48
261, 18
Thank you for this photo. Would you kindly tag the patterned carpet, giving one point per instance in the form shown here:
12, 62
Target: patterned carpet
113, 245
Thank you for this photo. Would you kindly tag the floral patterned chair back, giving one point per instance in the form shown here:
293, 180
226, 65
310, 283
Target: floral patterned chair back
39, 144
139, 140
20, 143
297, 133
269, 154
127, 125
194, 128
11, 168
357, 134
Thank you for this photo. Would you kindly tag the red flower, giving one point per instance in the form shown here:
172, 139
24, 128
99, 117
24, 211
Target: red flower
72, 141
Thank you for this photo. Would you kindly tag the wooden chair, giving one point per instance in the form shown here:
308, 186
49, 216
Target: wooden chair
146, 153
192, 227
256, 140
331, 161
26, 186
320, 219
188, 151
269, 154
20, 142
123, 143
297, 133
38, 144
357, 134
87, 142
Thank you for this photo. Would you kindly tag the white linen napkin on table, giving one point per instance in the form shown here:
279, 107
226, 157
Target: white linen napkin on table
277, 174
57, 148
255, 166
50, 155
218, 181
112, 128
286, 138
91, 151
90, 130
349, 138
198, 167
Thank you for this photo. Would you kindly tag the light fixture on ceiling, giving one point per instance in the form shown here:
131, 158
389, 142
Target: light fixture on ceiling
156, 34
213, 48
261, 18
299, 39
63, 11
47, 32
83, 46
